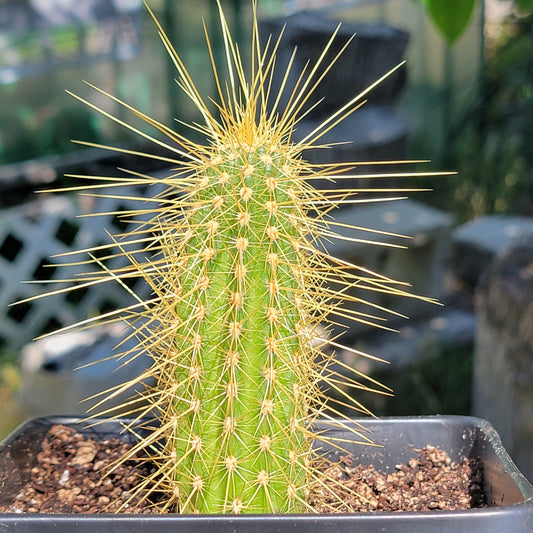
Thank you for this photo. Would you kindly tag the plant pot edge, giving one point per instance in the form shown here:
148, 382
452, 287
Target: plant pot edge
518, 516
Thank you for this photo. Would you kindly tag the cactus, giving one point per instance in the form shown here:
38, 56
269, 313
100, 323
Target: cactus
242, 296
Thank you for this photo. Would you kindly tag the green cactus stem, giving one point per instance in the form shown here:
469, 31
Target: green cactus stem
242, 335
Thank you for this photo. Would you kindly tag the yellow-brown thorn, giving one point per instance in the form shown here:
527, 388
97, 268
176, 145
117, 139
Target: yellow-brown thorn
272, 183
263, 479
241, 243
235, 329
245, 193
265, 443
236, 506
269, 374
230, 463
267, 407
231, 390
232, 358
207, 254
196, 342
218, 202
248, 170
236, 300
273, 287
272, 315
240, 271
203, 283
230, 424
197, 484
195, 372
243, 218
212, 227
196, 443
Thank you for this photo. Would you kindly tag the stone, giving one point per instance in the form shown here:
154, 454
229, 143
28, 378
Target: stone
449, 326
405, 355
420, 261
503, 359
85, 454
477, 243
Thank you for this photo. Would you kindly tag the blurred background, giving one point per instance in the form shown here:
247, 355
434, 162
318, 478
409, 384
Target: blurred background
462, 102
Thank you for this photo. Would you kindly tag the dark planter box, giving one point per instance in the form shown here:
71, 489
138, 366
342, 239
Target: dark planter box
375, 50
509, 494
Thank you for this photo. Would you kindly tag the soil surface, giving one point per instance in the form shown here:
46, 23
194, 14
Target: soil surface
430, 482
67, 478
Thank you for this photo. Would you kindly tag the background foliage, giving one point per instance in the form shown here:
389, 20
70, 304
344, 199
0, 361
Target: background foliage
451, 17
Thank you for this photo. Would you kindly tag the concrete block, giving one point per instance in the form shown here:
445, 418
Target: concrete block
422, 264
476, 243
503, 359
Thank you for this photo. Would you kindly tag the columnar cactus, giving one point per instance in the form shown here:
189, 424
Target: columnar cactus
241, 285
238, 353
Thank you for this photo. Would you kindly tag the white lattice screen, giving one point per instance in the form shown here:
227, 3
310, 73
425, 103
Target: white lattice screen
30, 235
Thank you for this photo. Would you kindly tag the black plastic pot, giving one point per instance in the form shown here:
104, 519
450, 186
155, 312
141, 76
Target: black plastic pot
509, 494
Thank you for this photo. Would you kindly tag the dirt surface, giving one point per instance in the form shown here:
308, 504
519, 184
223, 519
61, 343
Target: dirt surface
67, 478
430, 482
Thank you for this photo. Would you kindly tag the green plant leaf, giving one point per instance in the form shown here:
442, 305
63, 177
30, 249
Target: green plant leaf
451, 17
524, 5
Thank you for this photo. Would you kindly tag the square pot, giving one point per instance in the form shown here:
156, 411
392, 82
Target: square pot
509, 494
